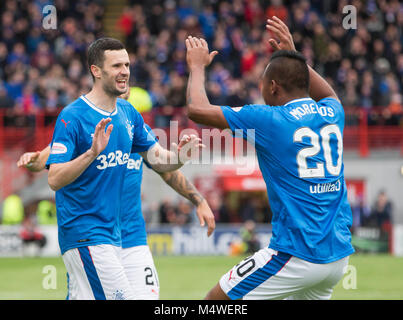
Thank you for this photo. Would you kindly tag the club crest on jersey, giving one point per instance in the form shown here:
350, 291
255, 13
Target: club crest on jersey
129, 128
118, 295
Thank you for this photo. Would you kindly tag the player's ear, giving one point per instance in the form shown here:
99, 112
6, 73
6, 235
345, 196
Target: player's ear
96, 71
273, 87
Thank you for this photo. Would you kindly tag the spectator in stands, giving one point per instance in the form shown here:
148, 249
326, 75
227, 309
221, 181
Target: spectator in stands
381, 213
360, 212
18, 55
3, 59
183, 213
177, 93
224, 211
6, 102
26, 107
167, 212
46, 212
248, 208
126, 21
249, 238
13, 210
30, 232
277, 8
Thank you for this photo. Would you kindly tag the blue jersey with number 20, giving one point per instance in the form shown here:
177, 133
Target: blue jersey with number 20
299, 147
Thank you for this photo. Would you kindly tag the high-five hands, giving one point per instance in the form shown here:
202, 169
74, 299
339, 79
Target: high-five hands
282, 33
188, 148
197, 52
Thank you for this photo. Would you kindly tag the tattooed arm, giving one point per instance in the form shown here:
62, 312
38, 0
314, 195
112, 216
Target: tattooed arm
177, 181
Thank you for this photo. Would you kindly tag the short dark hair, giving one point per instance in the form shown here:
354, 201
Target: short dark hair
289, 70
96, 50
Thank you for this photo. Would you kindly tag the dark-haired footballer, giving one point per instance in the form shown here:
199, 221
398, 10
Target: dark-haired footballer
93, 139
299, 145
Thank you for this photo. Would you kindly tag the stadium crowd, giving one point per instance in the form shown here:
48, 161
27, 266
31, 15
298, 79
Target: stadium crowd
45, 69
365, 65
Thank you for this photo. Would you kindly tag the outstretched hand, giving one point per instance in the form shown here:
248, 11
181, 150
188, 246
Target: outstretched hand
28, 159
197, 52
101, 136
188, 148
282, 33
205, 215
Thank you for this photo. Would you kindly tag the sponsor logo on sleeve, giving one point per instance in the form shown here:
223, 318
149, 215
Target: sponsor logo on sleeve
58, 148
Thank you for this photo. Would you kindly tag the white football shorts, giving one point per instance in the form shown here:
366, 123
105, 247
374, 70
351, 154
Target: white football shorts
139, 267
96, 272
269, 274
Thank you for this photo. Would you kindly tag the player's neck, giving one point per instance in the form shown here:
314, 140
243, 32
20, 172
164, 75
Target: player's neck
283, 100
101, 100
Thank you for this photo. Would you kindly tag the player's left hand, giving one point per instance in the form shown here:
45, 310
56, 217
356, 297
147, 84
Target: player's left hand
205, 215
197, 52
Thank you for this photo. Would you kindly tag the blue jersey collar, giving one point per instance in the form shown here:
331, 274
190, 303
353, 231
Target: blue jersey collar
99, 110
297, 100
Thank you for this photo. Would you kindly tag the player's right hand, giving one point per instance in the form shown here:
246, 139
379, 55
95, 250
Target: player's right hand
282, 33
28, 159
197, 52
205, 215
101, 136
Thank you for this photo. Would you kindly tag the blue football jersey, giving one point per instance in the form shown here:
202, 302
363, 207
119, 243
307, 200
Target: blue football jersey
299, 147
132, 222
88, 208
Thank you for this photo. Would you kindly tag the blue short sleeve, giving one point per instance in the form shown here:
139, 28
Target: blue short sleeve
64, 140
248, 121
142, 138
331, 102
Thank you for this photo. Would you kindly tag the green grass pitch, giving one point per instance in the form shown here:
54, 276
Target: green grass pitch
375, 277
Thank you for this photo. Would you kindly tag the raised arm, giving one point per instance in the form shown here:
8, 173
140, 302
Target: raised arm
62, 174
34, 161
319, 88
177, 181
199, 108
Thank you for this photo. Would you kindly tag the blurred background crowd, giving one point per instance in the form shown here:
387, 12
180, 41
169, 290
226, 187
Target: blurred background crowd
46, 69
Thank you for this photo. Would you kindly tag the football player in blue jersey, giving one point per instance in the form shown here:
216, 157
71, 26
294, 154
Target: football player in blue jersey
299, 145
90, 149
135, 254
